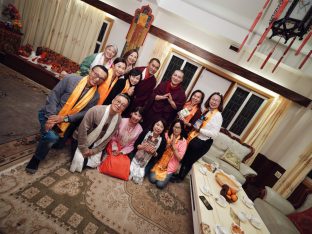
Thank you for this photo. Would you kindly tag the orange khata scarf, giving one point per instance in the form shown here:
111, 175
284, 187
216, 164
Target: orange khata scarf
160, 168
106, 87
192, 112
127, 86
208, 117
71, 107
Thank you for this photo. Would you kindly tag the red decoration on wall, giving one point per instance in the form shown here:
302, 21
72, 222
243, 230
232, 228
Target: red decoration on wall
141, 23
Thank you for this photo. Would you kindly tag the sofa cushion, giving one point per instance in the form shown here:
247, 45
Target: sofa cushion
240, 150
302, 220
278, 201
231, 158
215, 152
275, 221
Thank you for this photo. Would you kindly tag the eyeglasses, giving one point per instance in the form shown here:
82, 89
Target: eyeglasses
119, 103
96, 76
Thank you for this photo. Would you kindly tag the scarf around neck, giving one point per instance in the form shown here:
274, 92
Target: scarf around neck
72, 106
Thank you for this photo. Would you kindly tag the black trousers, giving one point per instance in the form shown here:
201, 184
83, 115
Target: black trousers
195, 150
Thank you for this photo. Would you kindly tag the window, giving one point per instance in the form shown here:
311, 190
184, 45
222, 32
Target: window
241, 109
103, 34
178, 62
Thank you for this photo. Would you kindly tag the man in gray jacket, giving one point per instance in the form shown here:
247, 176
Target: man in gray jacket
65, 107
95, 131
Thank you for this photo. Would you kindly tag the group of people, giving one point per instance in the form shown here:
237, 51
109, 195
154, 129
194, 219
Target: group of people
111, 103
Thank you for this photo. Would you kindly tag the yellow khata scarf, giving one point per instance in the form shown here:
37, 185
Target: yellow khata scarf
71, 107
127, 86
208, 117
106, 87
160, 168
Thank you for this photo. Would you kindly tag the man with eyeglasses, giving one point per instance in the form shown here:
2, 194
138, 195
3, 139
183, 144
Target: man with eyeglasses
65, 107
95, 131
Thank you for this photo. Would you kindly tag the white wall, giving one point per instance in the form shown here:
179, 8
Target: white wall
118, 33
209, 83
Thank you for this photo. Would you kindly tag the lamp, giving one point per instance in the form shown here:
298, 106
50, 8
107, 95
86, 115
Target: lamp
296, 22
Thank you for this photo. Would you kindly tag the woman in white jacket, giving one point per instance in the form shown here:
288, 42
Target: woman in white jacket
206, 128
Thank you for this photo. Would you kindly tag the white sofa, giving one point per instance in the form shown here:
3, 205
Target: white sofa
225, 141
273, 209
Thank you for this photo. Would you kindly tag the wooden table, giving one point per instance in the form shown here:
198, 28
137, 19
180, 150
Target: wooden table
218, 215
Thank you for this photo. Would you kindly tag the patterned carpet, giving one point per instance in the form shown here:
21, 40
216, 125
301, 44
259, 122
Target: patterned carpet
20, 100
55, 200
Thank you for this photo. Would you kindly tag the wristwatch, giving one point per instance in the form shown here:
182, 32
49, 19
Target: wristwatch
66, 119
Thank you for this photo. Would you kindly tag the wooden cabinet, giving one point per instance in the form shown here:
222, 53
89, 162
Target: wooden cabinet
9, 41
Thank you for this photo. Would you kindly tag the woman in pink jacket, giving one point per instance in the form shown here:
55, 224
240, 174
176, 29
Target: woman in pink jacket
128, 131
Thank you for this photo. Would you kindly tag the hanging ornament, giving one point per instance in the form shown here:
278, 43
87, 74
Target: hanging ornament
278, 12
305, 59
303, 43
285, 52
254, 24
270, 54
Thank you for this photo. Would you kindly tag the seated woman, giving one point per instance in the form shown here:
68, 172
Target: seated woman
148, 147
104, 58
131, 58
124, 85
117, 70
169, 162
128, 131
192, 109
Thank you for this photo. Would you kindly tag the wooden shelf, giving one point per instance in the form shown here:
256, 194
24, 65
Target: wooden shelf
33, 71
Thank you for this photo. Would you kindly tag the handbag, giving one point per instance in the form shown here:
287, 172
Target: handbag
116, 166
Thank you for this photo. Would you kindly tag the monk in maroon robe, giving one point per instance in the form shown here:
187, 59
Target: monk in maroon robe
167, 99
146, 86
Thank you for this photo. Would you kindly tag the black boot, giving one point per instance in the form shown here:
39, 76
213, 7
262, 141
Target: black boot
179, 177
32, 166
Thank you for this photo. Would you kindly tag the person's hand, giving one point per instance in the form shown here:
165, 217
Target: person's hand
142, 146
150, 149
161, 97
48, 126
196, 129
87, 153
130, 91
169, 97
55, 119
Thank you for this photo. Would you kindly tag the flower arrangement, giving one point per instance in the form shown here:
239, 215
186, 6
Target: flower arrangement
57, 61
14, 18
25, 50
